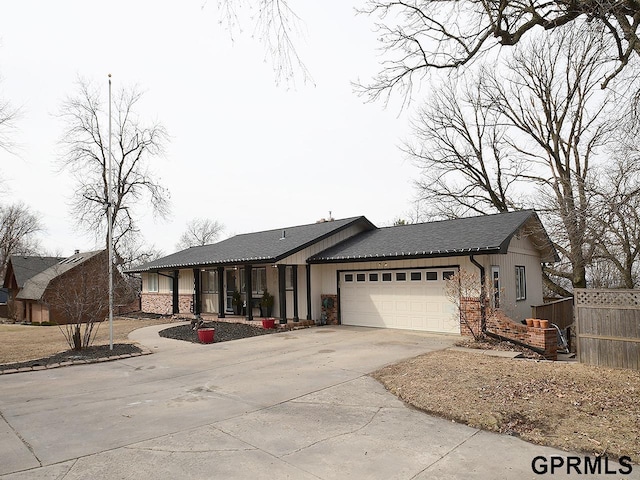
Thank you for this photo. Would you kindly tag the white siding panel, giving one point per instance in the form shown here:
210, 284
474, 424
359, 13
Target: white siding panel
301, 257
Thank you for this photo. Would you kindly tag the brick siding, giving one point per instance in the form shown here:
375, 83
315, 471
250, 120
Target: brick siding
331, 313
162, 303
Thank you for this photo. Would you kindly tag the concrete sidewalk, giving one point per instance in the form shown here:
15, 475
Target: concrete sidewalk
293, 405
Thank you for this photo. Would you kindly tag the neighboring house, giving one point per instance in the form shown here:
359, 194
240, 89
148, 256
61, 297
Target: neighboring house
21, 268
4, 297
71, 287
353, 273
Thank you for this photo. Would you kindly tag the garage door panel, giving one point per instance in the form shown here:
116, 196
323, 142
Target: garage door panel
410, 304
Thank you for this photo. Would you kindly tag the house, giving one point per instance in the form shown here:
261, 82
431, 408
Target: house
4, 297
350, 272
64, 290
21, 268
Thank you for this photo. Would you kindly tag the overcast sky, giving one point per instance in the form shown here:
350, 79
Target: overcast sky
244, 151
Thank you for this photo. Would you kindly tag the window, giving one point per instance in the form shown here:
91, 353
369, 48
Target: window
259, 280
386, 277
209, 281
373, 277
360, 277
152, 282
521, 283
432, 276
495, 285
448, 274
416, 276
288, 277
401, 276
348, 277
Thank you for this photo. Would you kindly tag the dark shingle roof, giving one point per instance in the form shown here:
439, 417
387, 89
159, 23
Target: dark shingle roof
463, 236
25, 267
35, 287
267, 246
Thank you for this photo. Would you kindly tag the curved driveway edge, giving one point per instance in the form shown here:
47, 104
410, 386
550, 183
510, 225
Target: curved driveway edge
289, 405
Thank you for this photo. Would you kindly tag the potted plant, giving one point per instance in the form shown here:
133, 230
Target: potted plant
236, 301
266, 303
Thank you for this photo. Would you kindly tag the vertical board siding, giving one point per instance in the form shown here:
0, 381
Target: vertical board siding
608, 327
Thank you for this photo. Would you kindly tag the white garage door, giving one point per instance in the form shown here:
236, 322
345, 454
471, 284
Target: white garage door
408, 299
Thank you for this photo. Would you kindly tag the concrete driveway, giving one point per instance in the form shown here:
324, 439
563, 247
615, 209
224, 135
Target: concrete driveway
293, 405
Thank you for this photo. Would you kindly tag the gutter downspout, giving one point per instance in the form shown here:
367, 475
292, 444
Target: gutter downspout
483, 308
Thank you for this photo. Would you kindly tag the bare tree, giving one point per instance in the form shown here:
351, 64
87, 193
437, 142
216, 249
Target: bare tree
200, 231
617, 215
276, 25
425, 35
536, 126
79, 297
18, 229
86, 145
8, 117
464, 288
465, 154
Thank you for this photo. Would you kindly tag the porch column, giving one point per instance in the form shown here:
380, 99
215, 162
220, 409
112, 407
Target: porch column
282, 292
248, 288
308, 272
175, 300
294, 280
220, 292
196, 288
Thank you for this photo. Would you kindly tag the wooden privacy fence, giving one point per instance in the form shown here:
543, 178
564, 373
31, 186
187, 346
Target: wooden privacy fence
558, 312
608, 327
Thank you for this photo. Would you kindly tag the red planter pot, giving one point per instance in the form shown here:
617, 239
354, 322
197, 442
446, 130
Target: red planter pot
268, 322
205, 335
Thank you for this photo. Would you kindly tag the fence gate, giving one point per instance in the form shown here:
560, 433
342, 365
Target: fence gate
608, 327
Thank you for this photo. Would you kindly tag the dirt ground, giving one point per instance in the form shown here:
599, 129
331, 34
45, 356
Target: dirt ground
19, 343
561, 404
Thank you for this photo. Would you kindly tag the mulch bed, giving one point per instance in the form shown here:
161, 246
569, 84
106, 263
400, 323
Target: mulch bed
224, 332
87, 355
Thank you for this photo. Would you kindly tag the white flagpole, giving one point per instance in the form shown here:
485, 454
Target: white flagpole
110, 230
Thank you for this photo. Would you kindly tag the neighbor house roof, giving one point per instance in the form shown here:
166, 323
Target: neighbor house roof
259, 247
464, 236
34, 287
24, 267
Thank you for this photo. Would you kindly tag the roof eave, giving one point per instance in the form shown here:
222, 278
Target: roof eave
405, 256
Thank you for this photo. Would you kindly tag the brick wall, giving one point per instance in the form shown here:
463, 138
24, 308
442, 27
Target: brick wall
497, 322
331, 313
162, 303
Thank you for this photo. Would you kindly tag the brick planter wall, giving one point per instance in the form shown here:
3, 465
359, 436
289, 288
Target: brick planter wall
162, 303
497, 322
331, 313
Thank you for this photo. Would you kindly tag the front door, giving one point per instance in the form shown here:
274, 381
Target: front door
231, 286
